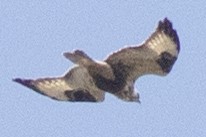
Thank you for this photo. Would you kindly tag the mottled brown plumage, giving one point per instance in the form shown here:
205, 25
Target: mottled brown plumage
89, 79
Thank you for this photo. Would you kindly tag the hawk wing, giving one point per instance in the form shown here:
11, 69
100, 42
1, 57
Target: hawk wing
76, 85
156, 55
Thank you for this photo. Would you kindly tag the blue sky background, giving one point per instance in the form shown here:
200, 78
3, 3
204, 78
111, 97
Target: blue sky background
35, 33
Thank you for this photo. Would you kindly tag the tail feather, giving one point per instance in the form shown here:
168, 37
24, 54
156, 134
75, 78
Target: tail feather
78, 57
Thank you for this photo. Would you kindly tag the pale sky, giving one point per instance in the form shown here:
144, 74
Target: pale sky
35, 33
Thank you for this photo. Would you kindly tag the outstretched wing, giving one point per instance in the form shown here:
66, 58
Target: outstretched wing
76, 85
156, 55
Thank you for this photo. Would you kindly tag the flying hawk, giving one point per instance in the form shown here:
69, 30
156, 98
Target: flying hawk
88, 80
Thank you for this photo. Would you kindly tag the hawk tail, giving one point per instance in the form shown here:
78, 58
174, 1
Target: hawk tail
79, 57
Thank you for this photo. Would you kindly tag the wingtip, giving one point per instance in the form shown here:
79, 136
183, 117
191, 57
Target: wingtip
166, 26
18, 80
25, 82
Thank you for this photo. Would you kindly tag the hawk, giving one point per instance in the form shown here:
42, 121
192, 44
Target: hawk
88, 80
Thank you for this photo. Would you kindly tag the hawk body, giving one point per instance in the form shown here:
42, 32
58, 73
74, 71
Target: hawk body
89, 79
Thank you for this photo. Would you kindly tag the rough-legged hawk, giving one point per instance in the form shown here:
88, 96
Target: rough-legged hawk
88, 80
